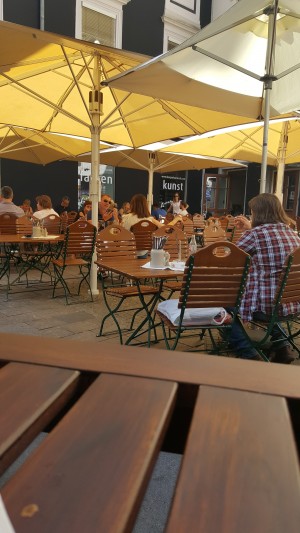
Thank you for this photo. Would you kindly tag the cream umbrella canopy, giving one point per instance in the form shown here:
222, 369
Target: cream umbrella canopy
245, 143
51, 83
246, 62
157, 161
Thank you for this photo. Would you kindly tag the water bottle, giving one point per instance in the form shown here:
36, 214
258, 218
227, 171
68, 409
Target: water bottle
193, 245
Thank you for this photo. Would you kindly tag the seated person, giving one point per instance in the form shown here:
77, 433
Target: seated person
124, 210
183, 209
6, 203
87, 206
158, 212
63, 207
268, 239
107, 213
44, 207
139, 211
26, 206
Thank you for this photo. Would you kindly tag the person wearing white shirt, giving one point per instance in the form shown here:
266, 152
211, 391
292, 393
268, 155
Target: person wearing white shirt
44, 207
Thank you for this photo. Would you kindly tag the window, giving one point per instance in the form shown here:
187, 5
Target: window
97, 27
100, 21
216, 193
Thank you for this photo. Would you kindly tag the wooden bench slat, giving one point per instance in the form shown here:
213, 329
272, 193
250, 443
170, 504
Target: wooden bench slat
24, 414
241, 463
91, 471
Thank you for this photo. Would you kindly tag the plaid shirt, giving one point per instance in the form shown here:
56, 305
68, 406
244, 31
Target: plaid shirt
268, 246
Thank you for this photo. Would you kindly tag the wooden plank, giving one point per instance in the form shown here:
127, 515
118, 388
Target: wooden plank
183, 367
30, 397
91, 471
240, 470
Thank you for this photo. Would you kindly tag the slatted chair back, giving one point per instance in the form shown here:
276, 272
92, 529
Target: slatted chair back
142, 231
80, 240
223, 222
188, 226
215, 277
288, 289
298, 225
115, 241
212, 234
236, 234
199, 223
53, 224
169, 217
78, 249
11, 224
71, 215
176, 244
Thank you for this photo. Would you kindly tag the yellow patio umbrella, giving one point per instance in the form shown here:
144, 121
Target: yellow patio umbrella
156, 161
245, 143
51, 83
33, 146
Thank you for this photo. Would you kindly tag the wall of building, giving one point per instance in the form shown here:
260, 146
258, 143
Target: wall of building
60, 16
28, 180
143, 27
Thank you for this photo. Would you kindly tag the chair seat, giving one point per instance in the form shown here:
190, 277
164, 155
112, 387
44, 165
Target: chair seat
131, 290
72, 261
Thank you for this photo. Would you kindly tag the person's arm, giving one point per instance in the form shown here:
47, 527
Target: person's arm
242, 222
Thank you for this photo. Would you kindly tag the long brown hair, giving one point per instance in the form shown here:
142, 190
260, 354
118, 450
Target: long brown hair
139, 207
267, 209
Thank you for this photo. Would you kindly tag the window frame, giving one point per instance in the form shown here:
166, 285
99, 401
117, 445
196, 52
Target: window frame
110, 8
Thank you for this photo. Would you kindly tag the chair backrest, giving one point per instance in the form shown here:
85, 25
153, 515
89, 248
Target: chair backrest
212, 234
215, 277
188, 226
80, 240
115, 241
199, 223
169, 217
235, 234
53, 224
288, 287
72, 215
142, 231
177, 242
11, 224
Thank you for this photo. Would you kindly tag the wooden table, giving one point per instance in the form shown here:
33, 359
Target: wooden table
110, 409
133, 270
28, 261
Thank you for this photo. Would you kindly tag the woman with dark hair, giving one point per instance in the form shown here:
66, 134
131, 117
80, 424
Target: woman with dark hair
268, 239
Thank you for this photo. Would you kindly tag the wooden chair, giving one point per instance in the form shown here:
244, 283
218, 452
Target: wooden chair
236, 234
78, 249
142, 231
11, 224
118, 243
72, 216
211, 280
176, 243
212, 234
53, 224
188, 226
178, 247
287, 291
199, 225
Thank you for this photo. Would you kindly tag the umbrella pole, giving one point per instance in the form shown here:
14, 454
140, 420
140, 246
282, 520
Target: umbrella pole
150, 180
268, 79
281, 160
95, 105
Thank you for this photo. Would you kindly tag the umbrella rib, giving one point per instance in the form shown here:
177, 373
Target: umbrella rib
224, 61
43, 100
74, 83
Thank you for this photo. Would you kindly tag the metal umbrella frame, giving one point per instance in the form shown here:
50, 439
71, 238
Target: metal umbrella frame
247, 62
